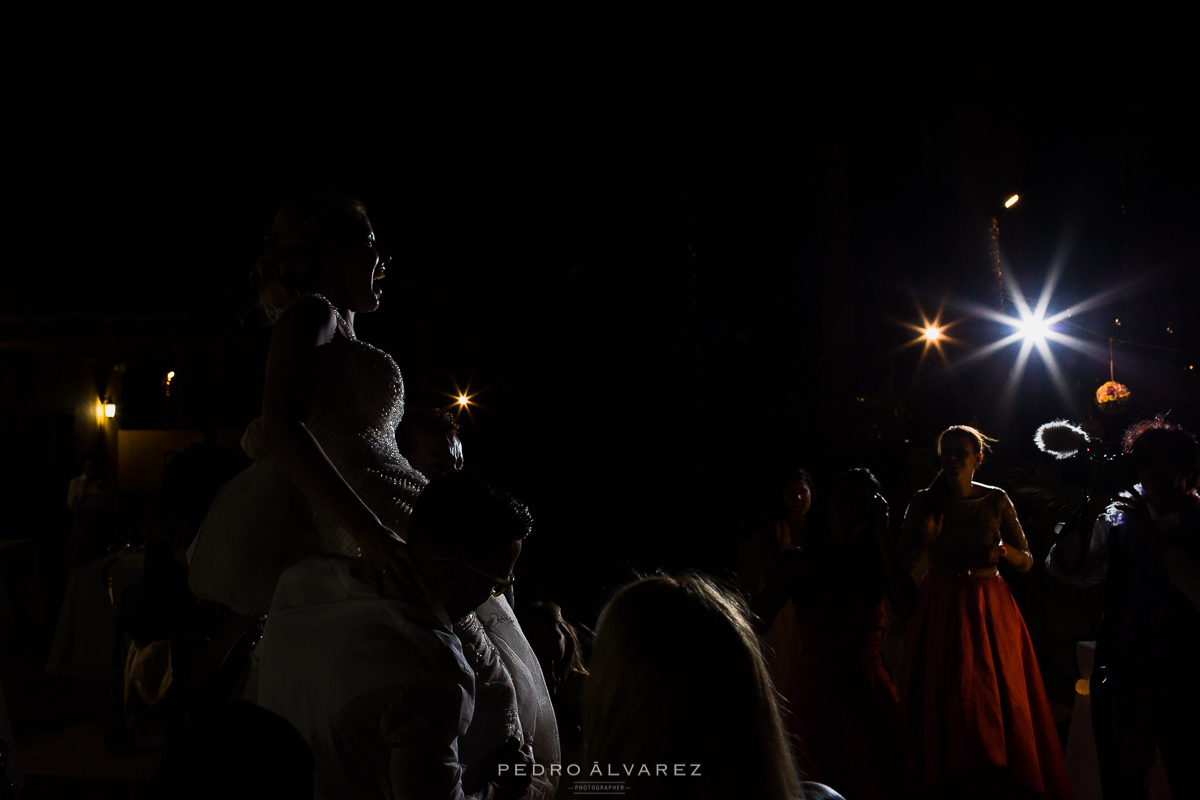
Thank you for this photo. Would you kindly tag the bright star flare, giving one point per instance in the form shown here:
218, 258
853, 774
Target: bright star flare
931, 333
1036, 328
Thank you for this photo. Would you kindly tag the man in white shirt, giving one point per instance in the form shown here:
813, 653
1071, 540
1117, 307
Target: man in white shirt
379, 686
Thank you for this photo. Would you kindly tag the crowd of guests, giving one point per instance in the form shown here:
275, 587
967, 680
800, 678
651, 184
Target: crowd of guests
348, 630
968, 714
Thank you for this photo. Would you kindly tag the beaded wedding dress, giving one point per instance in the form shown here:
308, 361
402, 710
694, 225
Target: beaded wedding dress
259, 523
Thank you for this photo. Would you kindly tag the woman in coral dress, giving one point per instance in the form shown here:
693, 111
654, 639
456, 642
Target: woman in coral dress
971, 689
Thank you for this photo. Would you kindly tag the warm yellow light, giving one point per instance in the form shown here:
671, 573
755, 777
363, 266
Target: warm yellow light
170, 375
1012, 201
1082, 686
463, 400
932, 334
110, 410
100, 411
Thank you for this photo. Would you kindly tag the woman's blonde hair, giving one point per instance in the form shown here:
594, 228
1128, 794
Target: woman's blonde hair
307, 232
982, 441
677, 676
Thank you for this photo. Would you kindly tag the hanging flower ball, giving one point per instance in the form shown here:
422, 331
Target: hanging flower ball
1112, 396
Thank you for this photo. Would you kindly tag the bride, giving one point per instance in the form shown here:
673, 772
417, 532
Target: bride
328, 477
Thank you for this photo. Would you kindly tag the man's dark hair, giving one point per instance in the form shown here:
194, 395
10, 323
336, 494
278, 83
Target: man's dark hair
1170, 438
861, 478
433, 419
462, 513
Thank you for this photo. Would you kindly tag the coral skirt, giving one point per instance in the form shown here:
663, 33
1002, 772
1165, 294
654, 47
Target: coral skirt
972, 690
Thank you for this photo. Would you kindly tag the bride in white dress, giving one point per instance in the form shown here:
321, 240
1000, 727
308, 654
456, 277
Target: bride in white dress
329, 479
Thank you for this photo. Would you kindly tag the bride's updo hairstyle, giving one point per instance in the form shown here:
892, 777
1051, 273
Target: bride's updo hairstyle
308, 233
677, 678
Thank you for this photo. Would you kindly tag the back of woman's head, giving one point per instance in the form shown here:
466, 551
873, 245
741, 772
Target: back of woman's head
550, 614
677, 678
307, 233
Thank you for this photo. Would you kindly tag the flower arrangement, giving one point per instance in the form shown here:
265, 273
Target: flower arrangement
1112, 396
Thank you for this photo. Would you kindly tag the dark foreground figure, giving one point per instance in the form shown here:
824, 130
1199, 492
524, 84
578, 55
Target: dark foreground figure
1145, 547
677, 677
845, 707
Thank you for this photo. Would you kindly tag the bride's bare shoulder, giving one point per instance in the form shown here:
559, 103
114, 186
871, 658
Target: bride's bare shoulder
308, 315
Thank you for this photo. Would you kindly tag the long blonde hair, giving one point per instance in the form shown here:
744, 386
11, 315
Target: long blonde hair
306, 234
677, 677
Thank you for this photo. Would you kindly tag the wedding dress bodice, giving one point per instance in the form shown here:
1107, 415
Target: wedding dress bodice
358, 400
260, 522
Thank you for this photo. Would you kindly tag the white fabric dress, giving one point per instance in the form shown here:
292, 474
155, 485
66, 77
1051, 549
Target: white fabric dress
511, 697
378, 688
259, 523
260, 527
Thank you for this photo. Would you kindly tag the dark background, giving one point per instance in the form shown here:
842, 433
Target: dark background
658, 290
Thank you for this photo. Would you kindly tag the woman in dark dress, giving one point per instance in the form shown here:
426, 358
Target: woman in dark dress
845, 707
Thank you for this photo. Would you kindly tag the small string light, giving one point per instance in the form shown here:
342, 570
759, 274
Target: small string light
462, 399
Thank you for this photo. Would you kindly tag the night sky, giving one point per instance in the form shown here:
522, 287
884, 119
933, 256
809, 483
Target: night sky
658, 293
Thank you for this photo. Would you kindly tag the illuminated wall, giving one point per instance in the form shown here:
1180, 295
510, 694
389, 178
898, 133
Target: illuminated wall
143, 455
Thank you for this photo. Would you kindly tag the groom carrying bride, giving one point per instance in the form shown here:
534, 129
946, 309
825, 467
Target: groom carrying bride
379, 687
